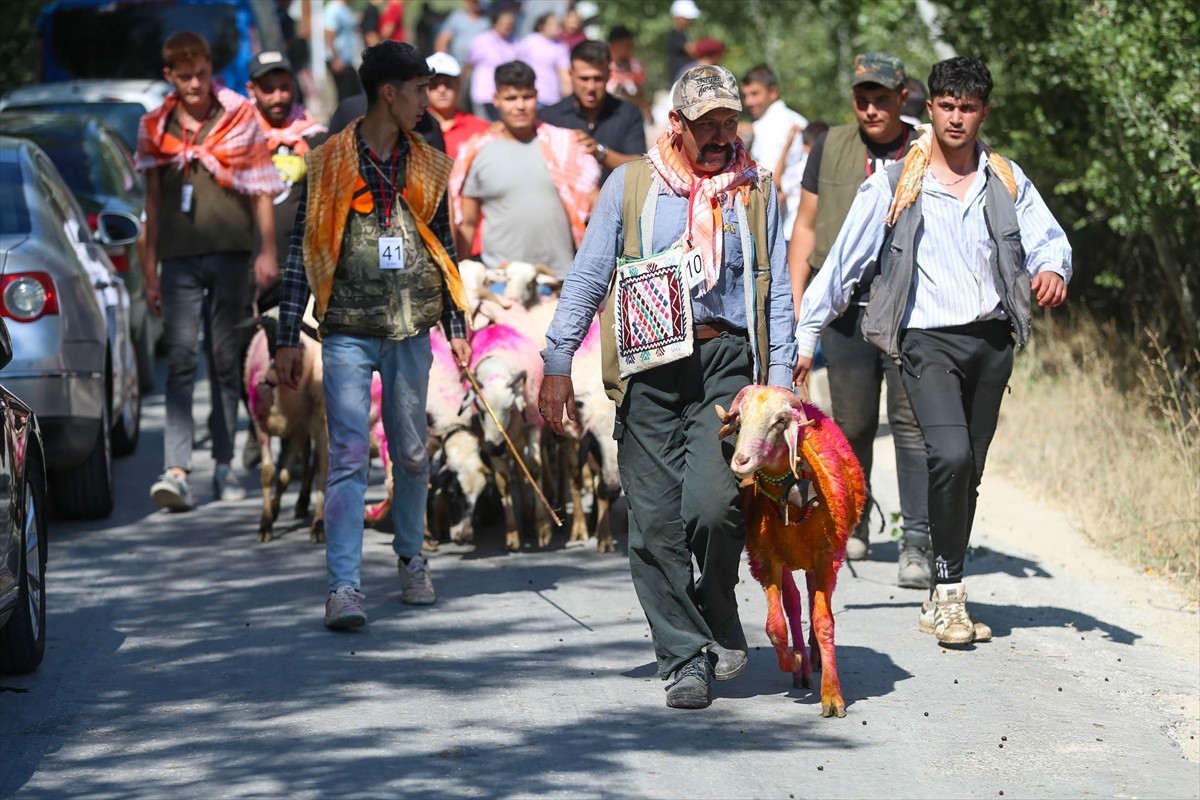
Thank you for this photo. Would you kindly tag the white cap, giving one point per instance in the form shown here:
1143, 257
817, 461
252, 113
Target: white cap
587, 10
685, 8
444, 64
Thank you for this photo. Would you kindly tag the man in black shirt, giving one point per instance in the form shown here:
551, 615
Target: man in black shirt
611, 130
837, 165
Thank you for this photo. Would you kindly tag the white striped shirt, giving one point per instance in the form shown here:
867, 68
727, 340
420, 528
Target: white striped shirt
952, 283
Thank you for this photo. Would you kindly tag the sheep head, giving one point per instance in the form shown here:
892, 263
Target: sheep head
767, 421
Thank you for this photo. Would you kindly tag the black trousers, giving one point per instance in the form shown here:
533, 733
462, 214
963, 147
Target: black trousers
857, 369
955, 379
683, 498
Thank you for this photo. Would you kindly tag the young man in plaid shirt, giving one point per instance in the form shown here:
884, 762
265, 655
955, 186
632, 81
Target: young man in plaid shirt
372, 242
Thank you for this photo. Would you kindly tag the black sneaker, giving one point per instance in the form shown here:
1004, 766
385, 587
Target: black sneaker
729, 651
690, 686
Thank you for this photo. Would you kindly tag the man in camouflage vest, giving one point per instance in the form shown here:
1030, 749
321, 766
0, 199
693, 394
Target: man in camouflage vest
372, 242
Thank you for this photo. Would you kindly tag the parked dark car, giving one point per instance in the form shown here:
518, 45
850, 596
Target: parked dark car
68, 317
99, 171
23, 545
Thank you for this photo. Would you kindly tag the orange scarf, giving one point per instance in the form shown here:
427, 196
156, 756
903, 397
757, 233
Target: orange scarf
706, 226
234, 151
333, 173
575, 174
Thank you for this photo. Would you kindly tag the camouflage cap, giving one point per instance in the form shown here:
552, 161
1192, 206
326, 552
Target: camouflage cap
703, 88
882, 68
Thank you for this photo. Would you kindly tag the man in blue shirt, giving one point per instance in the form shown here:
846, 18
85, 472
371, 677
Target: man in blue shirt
965, 241
683, 498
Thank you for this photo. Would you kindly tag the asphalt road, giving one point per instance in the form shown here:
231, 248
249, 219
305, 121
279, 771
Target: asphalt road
185, 659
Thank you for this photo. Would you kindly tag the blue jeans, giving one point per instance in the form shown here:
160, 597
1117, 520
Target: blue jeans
229, 283
404, 367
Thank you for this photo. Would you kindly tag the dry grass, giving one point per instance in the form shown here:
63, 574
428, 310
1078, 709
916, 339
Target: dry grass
1105, 429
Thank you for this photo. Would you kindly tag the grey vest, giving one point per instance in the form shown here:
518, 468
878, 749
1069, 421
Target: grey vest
390, 304
891, 291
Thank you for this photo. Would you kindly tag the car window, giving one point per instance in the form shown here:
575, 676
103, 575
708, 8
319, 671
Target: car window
119, 164
14, 213
67, 213
70, 155
121, 117
125, 28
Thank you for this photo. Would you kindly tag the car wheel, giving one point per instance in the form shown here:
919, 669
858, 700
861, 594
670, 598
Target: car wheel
86, 491
128, 426
23, 637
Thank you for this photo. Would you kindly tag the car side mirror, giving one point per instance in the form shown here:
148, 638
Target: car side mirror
117, 228
6, 351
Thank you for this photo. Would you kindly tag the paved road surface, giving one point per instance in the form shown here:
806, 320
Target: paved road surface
187, 660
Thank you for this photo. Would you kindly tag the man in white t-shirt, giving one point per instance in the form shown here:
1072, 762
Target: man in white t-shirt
773, 124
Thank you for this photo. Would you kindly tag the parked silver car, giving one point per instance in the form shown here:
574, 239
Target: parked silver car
68, 316
23, 544
98, 169
120, 103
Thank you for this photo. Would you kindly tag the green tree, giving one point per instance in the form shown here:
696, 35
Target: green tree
18, 49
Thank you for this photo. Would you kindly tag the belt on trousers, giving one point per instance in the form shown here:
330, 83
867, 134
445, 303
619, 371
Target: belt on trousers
711, 330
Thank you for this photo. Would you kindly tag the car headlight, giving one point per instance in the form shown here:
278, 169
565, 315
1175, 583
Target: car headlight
28, 296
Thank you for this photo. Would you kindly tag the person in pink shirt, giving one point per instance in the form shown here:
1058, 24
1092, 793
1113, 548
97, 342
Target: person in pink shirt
489, 50
549, 58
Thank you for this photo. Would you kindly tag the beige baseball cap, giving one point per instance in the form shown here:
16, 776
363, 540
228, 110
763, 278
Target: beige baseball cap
703, 88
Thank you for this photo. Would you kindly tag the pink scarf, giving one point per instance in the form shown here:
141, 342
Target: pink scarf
706, 225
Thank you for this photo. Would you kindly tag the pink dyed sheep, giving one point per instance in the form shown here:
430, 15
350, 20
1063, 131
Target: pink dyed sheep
295, 415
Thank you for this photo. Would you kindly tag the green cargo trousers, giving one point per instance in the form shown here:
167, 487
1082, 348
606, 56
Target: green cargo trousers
683, 498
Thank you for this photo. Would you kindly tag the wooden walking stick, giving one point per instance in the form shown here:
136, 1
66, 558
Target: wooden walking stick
512, 448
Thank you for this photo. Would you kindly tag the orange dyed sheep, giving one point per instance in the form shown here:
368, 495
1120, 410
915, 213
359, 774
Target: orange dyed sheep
803, 493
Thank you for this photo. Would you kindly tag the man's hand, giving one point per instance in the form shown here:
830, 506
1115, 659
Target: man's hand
557, 394
462, 352
801, 372
153, 297
1050, 288
289, 362
586, 143
266, 270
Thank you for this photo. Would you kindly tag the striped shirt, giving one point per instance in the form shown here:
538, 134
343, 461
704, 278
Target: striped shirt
952, 282
294, 289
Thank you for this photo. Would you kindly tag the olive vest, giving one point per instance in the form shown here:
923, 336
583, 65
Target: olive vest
638, 177
842, 171
388, 303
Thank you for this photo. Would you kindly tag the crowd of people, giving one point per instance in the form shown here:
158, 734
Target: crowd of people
908, 254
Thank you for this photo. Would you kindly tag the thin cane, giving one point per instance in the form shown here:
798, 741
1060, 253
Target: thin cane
513, 449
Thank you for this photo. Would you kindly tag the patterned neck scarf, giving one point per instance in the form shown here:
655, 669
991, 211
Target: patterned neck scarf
298, 125
916, 163
705, 227
234, 151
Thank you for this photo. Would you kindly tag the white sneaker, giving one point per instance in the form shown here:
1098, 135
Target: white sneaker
951, 623
171, 492
983, 631
344, 608
416, 584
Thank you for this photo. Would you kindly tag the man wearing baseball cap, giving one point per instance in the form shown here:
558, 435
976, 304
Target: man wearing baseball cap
291, 132
838, 164
695, 194
457, 126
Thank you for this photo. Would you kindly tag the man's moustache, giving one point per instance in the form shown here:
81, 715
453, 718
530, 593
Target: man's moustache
716, 149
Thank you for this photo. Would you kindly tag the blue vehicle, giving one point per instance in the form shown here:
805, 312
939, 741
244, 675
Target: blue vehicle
82, 39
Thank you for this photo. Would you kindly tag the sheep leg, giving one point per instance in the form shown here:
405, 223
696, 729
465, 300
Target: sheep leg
283, 477
320, 457
541, 520
604, 540
506, 488
814, 652
577, 469
832, 703
304, 498
374, 512
266, 477
792, 605
777, 628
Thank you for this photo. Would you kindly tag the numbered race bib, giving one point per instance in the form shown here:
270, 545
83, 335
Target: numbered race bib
391, 252
653, 312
